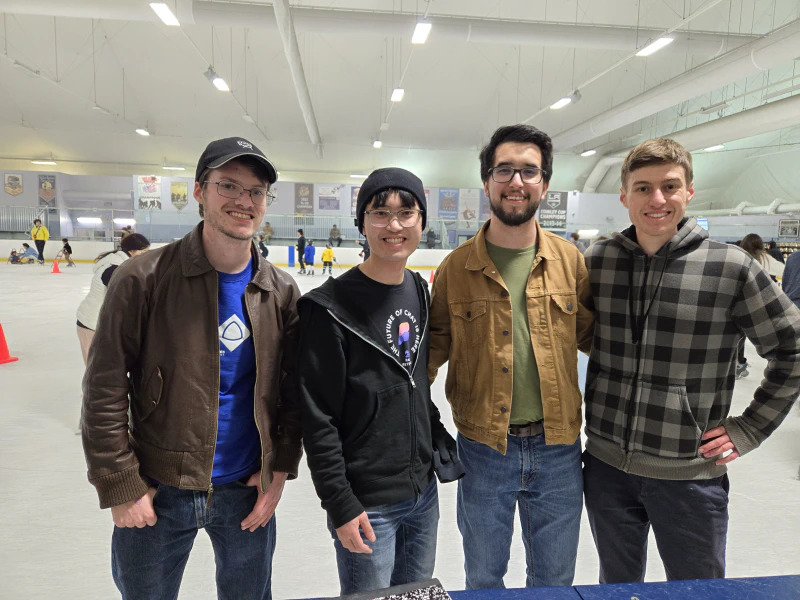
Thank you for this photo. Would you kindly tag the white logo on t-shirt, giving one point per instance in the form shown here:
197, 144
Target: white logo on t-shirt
233, 332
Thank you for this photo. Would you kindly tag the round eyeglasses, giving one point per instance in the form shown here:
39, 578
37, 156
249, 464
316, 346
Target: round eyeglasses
408, 217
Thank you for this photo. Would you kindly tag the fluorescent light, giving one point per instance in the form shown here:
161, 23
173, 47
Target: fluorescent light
165, 14
777, 93
218, 81
589, 233
100, 109
712, 148
655, 46
43, 162
125, 221
398, 94
707, 110
90, 220
143, 132
377, 144
168, 168
359, 176
421, 32
561, 103
589, 153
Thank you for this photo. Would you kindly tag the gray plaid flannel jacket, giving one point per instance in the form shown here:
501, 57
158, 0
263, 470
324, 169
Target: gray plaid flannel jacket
663, 359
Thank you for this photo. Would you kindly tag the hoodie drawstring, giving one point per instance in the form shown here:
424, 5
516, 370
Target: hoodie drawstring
638, 323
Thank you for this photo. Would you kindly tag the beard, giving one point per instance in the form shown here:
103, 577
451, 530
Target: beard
514, 219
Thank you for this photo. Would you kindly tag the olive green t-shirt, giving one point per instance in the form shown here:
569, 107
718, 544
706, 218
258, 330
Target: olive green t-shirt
514, 266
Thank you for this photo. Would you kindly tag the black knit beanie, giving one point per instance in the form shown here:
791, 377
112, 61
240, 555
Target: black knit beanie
390, 178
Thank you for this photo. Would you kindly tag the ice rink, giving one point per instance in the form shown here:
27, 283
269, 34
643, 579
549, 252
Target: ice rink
56, 541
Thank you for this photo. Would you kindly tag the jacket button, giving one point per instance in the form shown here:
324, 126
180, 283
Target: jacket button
504, 294
469, 314
500, 447
505, 369
569, 306
505, 332
503, 409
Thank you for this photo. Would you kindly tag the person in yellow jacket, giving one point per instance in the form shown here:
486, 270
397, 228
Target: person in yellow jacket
327, 259
39, 235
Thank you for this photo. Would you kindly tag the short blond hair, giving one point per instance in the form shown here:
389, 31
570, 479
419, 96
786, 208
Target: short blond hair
659, 151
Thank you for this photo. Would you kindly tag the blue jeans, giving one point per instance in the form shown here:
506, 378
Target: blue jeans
546, 482
148, 563
404, 550
689, 519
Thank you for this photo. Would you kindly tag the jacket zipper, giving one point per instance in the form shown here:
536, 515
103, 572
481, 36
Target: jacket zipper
635, 380
410, 377
255, 396
216, 402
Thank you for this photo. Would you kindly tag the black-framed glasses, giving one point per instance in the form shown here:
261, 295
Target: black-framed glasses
506, 174
408, 217
234, 191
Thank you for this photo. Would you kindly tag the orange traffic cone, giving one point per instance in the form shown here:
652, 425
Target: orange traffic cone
5, 356
430, 279
55, 267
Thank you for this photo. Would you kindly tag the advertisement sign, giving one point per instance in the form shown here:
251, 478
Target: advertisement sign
448, 203
354, 199
329, 197
553, 211
468, 204
47, 191
149, 189
303, 198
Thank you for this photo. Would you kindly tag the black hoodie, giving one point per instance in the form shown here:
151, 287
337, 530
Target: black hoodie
371, 432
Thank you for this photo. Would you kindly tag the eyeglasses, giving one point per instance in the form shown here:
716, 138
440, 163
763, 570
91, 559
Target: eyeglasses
408, 217
228, 189
506, 174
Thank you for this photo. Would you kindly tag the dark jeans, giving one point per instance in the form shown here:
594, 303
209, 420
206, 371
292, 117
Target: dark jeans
689, 519
302, 262
338, 241
404, 550
40, 248
148, 563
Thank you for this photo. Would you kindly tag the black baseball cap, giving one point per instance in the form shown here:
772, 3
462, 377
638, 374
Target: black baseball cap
219, 152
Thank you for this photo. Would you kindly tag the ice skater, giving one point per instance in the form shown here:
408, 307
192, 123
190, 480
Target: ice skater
310, 251
327, 259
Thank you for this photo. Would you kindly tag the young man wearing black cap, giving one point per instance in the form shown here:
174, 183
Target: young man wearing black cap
198, 340
373, 435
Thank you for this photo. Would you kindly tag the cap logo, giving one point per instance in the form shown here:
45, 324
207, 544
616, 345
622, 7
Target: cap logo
244, 144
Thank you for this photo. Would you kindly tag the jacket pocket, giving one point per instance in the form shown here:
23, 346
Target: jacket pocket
384, 448
469, 319
150, 395
606, 403
563, 316
665, 424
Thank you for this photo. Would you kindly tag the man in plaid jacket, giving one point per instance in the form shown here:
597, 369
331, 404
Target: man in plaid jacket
671, 306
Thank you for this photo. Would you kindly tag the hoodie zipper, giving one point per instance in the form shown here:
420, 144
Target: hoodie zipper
409, 374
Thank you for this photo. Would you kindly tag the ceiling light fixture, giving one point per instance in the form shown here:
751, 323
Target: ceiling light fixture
572, 98
588, 233
165, 14
377, 144
589, 153
218, 81
777, 93
43, 162
100, 109
120, 221
354, 176
713, 148
421, 32
168, 168
707, 110
397, 94
655, 46
90, 220
248, 118
143, 132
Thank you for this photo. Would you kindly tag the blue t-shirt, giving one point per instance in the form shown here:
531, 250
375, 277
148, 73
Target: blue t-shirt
238, 452
309, 258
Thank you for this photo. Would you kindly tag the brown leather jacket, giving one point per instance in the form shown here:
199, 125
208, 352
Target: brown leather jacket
471, 311
156, 351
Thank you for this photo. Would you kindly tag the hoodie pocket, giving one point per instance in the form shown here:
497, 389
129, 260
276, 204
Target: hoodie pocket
384, 448
665, 424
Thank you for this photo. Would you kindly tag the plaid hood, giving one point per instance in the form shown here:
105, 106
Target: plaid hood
662, 365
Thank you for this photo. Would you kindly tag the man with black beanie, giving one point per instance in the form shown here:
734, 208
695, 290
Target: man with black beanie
373, 435
301, 251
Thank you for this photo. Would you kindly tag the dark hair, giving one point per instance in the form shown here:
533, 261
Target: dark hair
520, 134
753, 245
24, 245
380, 199
772, 245
134, 241
575, 235
256, 167
300, 231
64, 240
35, 221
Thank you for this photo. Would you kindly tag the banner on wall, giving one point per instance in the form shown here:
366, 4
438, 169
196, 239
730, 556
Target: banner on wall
149, 188
553, 211
486, 207
468, 200
303, 199
354, 199
47, 191
448, 204
179, 193
13, 183
328, 198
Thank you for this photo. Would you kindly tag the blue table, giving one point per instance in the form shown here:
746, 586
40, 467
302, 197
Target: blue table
778, 588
